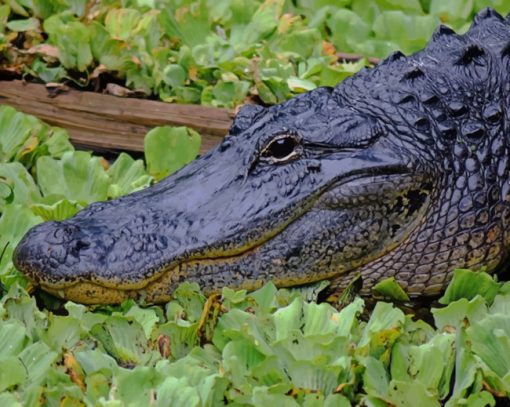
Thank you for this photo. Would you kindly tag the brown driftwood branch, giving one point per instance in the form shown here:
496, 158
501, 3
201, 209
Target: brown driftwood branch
105, 122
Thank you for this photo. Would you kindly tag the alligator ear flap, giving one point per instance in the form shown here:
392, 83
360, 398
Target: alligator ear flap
470, 54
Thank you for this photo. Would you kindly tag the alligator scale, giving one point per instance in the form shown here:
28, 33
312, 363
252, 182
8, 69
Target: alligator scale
401, 170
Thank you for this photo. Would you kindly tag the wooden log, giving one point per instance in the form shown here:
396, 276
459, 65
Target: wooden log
104, 122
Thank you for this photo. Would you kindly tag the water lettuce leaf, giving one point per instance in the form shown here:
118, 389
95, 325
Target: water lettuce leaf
15, 129
389, 288
77, 176
60, 210
15, 221
468, 284
142, 43
72, 38
127, 175
269, 346
168, 148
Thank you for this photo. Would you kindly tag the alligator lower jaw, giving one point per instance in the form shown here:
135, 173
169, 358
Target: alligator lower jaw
157, 289
154, 292
160, 289
90, 293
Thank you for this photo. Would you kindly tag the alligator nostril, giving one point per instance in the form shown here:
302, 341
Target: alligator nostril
81, 244
70, 230
60, 234
57, 237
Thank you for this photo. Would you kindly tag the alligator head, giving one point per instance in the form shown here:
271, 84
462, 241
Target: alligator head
401, 170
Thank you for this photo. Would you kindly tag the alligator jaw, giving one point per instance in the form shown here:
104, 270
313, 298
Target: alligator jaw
212, 271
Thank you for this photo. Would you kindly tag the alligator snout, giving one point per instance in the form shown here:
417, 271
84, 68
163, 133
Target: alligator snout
58, 250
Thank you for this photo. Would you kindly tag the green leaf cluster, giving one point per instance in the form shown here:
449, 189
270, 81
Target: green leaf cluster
43, 178
218, 53
268, 347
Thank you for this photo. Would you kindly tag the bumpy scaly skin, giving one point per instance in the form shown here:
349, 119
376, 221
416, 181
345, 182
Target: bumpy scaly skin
455, 95
401, 170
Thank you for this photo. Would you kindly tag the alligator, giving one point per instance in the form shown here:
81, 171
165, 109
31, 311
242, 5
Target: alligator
399, 171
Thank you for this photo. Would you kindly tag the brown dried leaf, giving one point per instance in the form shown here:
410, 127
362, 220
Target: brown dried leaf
328, 48
104, 163
29, 146
74, 370
164, 346
286, 22
45, 50
193, 73
54, 89
100, 69
117, 90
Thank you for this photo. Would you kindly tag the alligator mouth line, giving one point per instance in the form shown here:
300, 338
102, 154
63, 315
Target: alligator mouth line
156, 290
87, 292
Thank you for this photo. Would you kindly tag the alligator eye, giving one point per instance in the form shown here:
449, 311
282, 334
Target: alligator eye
282, 148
